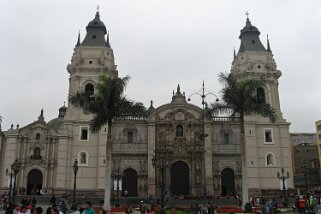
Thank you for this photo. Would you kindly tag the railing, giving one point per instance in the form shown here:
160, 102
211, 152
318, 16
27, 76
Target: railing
130, 147
227, 119
226, 148
37, 157
130, 117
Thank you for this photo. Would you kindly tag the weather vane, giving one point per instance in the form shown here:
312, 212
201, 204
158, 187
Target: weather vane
98, 8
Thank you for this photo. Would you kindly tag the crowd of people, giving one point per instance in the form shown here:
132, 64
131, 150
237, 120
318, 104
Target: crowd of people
29, 207
304, 204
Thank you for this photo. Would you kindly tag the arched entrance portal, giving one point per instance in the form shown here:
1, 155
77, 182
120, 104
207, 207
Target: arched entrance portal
228, 182
180, 178
34, 181
130, 182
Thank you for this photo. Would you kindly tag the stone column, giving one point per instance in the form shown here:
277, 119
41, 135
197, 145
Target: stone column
208, 160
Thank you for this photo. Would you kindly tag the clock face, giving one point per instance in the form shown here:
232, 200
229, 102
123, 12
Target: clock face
180, 116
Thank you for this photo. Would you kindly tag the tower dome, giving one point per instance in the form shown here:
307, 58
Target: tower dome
250, 40
96, 31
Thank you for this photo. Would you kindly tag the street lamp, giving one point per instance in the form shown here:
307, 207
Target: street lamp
161, 160
305, 168
15, 167
203, 93
117, 175
10, 185
75, 168
283, 177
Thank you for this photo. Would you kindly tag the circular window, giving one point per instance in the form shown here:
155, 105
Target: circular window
94, 36
90, 62
259, 66
37, 136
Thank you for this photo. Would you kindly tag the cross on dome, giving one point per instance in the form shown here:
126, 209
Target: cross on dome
247, 14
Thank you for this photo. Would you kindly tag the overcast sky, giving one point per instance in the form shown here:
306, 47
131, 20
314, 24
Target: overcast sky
159, 43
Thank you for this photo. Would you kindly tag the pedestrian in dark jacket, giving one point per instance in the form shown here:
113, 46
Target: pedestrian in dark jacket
9, 208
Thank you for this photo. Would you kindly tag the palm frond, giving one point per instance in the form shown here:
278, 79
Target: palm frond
81, 99
240, 96
98, 122
263, 109
108, 102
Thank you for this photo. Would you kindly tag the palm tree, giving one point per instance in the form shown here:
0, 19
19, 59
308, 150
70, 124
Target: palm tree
240, 97
107, 104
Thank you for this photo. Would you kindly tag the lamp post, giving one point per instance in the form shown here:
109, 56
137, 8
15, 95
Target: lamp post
282, 176
305, 169
203, 93
117, 175
10, 184
75, 168
161, 160
15, 167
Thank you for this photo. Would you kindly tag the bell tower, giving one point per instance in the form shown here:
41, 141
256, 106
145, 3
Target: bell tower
267, 144
92, 57
253, 60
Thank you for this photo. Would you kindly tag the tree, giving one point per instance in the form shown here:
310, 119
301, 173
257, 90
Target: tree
240, 97
108, 104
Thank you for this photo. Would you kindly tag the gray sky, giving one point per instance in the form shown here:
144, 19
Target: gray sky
159, 43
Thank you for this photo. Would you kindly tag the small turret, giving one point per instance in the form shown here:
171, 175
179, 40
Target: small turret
268, 44
151, 108
62, 111
178, 96
41, 117
78, 40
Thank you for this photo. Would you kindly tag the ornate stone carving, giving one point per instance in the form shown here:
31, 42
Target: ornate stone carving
179, 116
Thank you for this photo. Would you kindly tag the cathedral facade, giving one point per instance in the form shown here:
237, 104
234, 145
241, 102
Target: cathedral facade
202, 155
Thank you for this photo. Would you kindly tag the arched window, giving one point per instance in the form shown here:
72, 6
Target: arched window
89, 89
83, 158
179, 131
37, 153
269, 159
260, 95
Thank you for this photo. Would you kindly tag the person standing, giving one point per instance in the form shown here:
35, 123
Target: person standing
34, 202
88, 209
22, 210
125, 192
9, 208
53, 200
302, 202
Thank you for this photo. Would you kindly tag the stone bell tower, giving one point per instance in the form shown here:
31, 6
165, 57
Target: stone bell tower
267, 143
253, 60
92, 58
